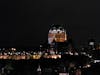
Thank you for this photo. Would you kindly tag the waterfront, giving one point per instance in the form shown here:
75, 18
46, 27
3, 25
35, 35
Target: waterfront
49, 66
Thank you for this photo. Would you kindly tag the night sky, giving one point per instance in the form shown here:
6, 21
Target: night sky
26, 22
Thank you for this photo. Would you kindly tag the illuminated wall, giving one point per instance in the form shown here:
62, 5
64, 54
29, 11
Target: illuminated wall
57, 34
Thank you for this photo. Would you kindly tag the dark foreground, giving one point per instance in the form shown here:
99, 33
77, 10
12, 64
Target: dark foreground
48, 67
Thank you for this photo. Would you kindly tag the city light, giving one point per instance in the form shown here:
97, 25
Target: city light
59, 48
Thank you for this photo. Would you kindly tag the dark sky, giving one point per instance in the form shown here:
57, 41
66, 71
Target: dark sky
26, 22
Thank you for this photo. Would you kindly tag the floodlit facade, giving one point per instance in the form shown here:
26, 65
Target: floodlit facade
57, 34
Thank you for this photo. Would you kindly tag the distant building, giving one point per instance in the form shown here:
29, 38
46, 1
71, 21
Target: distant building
58, 38
57, 33
91, 44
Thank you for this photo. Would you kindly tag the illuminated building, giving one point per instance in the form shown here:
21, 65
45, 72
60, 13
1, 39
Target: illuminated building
91, 44
57, 33
58, 39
